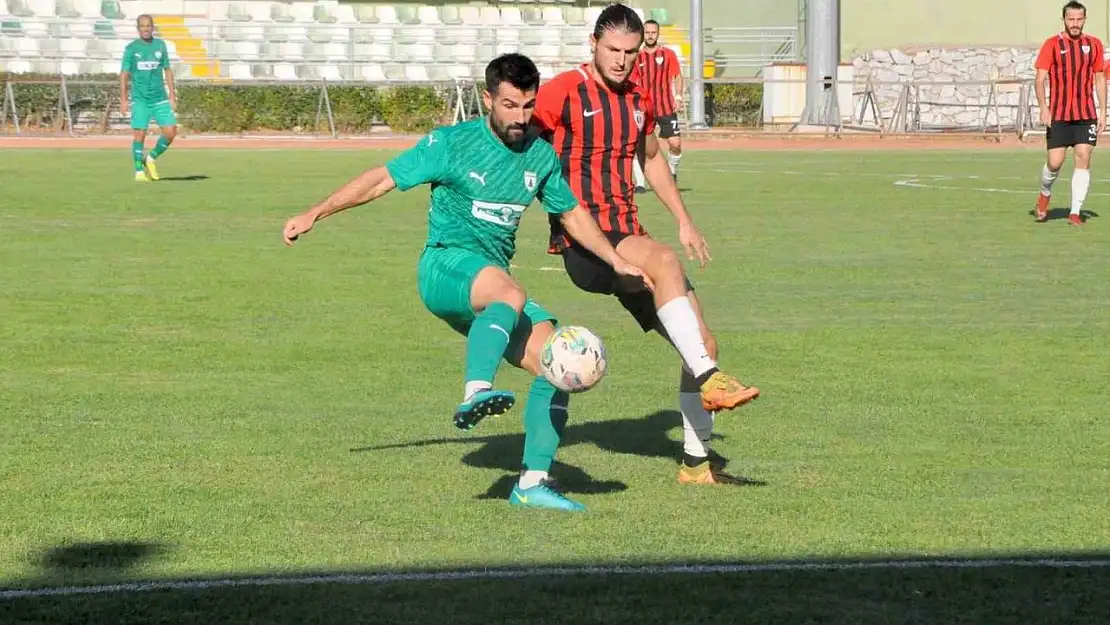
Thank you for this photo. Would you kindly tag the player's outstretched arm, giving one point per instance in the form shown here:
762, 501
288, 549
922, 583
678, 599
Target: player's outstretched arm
367, 187
658, 174
580, 225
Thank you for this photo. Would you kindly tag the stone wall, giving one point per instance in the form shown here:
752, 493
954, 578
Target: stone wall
943, 98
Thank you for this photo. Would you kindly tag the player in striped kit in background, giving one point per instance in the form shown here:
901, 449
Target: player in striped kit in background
1072, 64
658, 71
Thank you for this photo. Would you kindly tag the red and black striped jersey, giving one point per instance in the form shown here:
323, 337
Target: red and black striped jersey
1071, 65
656, 71
594, 130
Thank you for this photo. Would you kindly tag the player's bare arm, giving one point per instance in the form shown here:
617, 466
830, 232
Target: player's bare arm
1041, 89
367, 187
124, 86
1100, 91
679, 89
658, 173
171, 88
582, 227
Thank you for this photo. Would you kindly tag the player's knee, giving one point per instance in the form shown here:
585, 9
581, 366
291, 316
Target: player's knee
513, 295
667, 264
170, 133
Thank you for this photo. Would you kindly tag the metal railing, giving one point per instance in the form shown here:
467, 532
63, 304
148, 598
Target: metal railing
865, 105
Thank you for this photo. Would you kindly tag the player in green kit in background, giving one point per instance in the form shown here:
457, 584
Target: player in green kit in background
147, 90
484, 173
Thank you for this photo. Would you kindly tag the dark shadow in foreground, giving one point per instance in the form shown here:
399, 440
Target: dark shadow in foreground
1008, 588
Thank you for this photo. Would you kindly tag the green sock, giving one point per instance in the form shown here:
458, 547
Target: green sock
137, 154
159, 147
487, 340
545, 415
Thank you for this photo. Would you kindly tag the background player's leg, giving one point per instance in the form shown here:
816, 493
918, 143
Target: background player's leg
1080, 180
678, 317
545, 415
140, 118
638, 167
169, 133
167, 123
1050, 171
674, 152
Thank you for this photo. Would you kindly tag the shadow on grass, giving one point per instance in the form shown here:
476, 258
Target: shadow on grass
1012, 588
1062, 213
644, 436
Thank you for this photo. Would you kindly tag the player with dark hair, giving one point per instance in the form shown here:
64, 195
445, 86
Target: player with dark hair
659, 72
147, 92
484, 173
594, 116
1072, 67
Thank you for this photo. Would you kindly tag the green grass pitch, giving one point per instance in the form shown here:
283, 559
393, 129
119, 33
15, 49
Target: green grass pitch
182, 396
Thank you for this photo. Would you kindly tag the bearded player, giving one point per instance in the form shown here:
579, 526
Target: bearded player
594, 117
1071, 66
483, 175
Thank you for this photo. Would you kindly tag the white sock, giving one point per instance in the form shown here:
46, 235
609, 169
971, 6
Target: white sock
697, 425
1047, 178
475, 387
1080, 182
681, 324
672, 160
637, 172
530, 478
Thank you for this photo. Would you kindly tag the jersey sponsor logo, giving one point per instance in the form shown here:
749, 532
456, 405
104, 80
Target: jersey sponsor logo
638, 115
147, 65
530, 180
432, 139
589, 113
498, 213
479, 177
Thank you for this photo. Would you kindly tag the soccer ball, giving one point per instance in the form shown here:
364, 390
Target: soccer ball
573, 359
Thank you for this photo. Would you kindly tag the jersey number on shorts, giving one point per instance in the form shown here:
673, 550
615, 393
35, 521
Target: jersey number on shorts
674, 125
1092, 132
507, 215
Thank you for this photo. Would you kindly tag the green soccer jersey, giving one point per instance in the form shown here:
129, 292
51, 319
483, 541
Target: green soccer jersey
145, 62
480, 187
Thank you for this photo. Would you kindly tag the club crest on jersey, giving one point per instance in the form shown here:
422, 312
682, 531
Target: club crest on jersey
157, 54
658, 60
530, 180
638, 115
1085, 49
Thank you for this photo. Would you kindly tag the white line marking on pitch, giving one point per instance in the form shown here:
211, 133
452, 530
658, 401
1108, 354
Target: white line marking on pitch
484, 574
917, 184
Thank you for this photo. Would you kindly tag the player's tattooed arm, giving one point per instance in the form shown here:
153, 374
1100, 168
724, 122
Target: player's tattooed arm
367, 187
580, 225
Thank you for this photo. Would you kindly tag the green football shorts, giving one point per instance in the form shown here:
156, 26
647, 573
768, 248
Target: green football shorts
444, 278
143, 112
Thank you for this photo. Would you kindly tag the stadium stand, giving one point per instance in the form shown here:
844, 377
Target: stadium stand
326, 40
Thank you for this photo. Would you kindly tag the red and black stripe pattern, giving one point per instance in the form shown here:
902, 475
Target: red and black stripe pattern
594, 130
656, 71
1071, 65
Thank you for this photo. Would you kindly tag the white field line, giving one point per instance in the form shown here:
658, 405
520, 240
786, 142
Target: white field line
539, 572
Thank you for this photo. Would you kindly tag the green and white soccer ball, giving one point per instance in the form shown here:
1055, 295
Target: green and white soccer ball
574, 359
